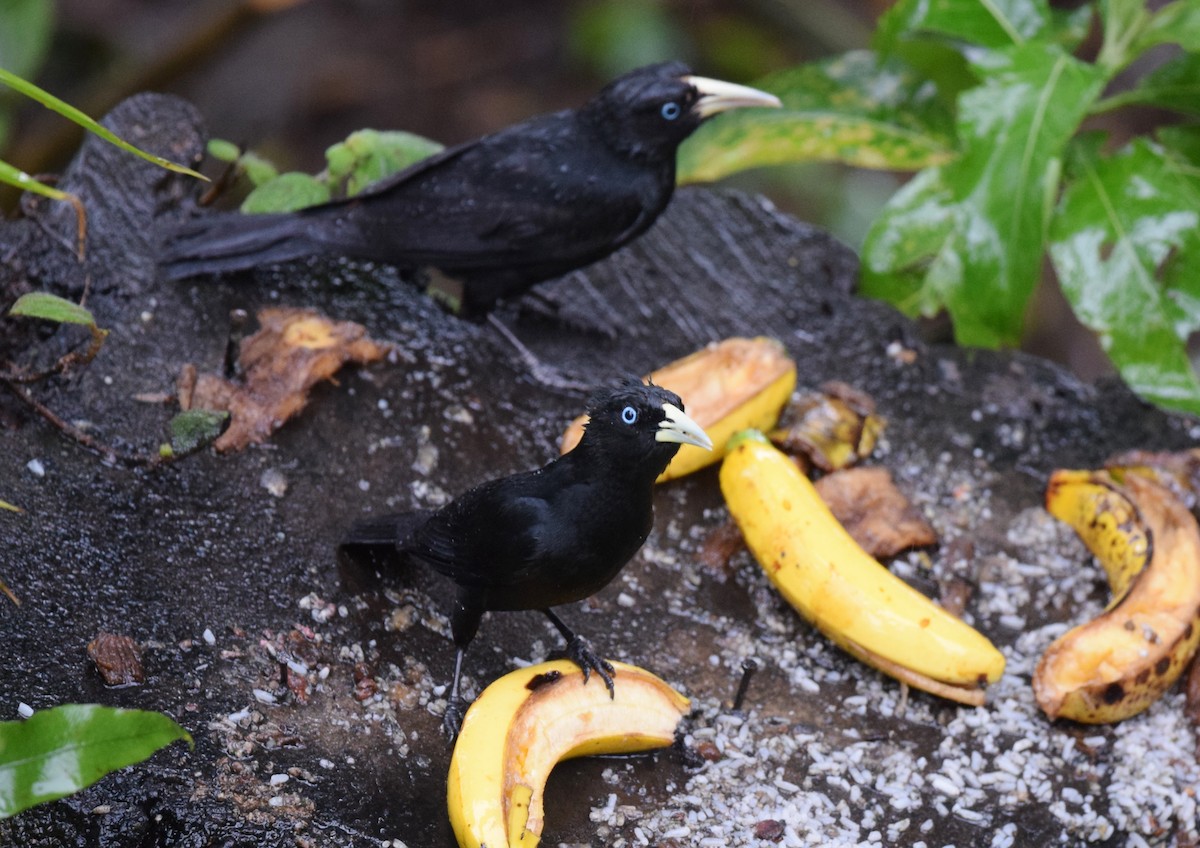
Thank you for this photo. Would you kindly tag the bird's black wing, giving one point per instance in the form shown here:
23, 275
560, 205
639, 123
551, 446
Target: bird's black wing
502, 533
516, 199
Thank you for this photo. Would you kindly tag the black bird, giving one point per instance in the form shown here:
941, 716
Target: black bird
553, 536
500, 213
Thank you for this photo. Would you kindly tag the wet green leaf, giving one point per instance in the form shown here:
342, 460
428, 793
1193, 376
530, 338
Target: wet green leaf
71, 113
851, 108
1175, 23
286, 193
195, 428
968, 236
367, 156
1183, 143
52, 308
987, 23
1126, 247
1173, 85
59, 751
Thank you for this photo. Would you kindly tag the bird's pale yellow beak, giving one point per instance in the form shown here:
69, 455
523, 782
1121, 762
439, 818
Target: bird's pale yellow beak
719, 96
677, 427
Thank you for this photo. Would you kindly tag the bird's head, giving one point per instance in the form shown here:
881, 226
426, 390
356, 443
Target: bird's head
640, 426
647, 113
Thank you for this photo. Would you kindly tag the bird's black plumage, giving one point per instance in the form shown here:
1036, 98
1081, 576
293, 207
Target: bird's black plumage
500, 213
552, 536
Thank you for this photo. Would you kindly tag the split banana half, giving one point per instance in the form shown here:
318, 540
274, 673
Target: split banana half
726, 387
531, 719
1116, 665
844, 592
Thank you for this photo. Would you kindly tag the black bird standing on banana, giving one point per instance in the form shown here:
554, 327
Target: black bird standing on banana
548, 537
528, 203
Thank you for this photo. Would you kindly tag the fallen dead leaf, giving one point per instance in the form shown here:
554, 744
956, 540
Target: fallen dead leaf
835, 427
118, 658
293, 350
874, 511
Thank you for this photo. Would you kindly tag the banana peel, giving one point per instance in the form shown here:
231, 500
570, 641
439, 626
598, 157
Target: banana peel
843, 591
726, 387
532, 718
1116, 665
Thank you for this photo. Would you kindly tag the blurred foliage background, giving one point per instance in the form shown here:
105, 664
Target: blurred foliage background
289, 78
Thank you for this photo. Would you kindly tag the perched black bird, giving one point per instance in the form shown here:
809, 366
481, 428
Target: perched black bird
525, 204
542, 538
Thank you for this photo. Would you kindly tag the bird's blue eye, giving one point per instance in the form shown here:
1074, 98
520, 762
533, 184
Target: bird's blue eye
670, 111
629, 415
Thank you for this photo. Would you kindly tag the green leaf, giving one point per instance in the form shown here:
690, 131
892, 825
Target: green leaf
1173, 85
615, 36
258, 170
52, 308
968, 235
1126, 248
1175, 23
367, 156
1182, 143
986, 23
59, 751
286, 193
223, 150
25, 28
195, 428
71, 113
850, 109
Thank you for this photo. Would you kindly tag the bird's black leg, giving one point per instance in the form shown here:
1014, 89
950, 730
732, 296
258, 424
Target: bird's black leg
464, 623
545, 374
455, 709
581, 653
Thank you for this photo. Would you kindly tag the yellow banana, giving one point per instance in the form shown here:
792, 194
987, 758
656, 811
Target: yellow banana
726, 387
1116, 665
843, 591
530, 719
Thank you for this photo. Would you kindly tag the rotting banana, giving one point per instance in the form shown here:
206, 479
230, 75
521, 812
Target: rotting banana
726, 387
531, 719
1116, 665
848, 595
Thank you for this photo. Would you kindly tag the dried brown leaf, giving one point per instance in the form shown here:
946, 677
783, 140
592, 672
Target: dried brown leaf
293, 350
874, 511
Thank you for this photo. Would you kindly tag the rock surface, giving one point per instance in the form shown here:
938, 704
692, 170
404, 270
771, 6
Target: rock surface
223, 567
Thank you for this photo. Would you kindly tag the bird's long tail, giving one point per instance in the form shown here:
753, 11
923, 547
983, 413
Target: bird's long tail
380, 538
232, 241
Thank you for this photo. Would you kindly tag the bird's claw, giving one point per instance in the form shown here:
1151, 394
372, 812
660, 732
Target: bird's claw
452, 719
581, 653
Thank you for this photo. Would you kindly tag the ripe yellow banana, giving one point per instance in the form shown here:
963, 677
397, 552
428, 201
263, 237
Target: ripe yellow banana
1116, 665
843, 591
726, 387
529, 720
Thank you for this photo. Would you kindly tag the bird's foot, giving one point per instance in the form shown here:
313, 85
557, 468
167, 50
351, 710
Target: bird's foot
452, 719
581, 653
546, 375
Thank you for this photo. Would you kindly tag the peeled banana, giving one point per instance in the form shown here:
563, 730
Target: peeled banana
844, 592
726, 386
531, 719
1116, 665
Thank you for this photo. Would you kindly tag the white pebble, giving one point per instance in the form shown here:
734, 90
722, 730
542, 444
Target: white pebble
36, 468
24, 710
263, 696
277, 779
209, 638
